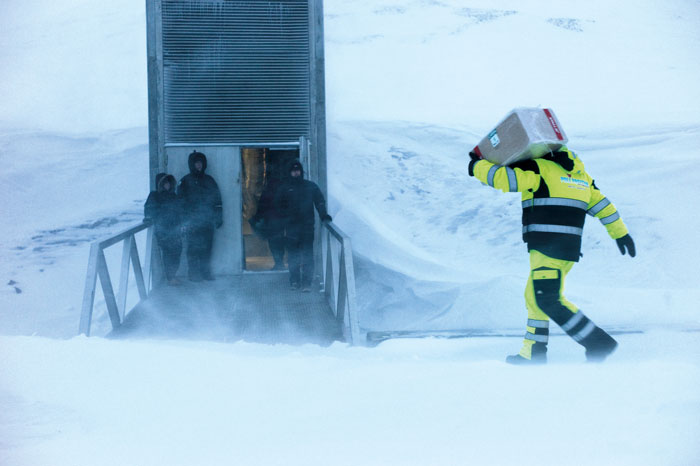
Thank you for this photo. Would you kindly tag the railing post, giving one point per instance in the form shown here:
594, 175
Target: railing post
353, 317
342, 290
148, 259
138, 271
89, 292
124, 275
107, 290
329, 288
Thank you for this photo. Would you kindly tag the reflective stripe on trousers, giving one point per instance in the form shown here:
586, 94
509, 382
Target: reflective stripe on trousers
537, 318
537, 338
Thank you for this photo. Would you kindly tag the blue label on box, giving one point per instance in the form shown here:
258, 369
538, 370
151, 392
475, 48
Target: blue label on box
493, 137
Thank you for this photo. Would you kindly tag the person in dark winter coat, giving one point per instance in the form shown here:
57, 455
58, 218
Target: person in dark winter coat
295, 200
268, 222
164, 208
203, 213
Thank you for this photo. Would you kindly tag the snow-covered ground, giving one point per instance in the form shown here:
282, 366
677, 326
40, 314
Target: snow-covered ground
435, 402
411, 86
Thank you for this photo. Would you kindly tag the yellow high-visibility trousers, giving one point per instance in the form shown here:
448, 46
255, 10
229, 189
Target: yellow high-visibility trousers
544, 298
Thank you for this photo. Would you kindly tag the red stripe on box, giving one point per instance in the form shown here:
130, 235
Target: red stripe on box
553, 122
478, 152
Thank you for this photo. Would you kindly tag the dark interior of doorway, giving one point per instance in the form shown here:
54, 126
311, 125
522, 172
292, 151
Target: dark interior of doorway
262, 170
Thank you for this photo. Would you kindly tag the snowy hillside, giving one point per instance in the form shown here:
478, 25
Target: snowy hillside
411, 87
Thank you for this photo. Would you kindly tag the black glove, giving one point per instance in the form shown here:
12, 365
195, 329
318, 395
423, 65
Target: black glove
626, 242
326, 218
474, 158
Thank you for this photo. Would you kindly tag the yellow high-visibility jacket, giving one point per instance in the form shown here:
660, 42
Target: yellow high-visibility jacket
557, 193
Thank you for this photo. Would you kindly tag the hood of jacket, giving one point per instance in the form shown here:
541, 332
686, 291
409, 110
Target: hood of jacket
194, 156
162, 178
159, 179
295, 164
565, 159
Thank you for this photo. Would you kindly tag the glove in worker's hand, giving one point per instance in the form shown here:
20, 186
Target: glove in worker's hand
474, 158
626, 243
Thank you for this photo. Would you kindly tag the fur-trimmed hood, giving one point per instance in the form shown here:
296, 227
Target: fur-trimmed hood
162, 178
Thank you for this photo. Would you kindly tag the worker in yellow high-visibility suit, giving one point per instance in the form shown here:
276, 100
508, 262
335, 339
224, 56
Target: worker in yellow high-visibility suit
557, 193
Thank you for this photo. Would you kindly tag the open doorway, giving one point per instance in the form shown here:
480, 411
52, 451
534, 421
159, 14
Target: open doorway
262, 171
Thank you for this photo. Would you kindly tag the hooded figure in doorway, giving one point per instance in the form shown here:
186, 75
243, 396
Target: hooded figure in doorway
295, 201
557, 193
267, 221
203, 213
164, 208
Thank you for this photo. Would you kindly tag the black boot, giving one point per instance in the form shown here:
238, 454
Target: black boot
518, 360
538, 356
599, 345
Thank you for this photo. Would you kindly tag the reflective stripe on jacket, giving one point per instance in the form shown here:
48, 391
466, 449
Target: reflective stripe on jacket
557, 193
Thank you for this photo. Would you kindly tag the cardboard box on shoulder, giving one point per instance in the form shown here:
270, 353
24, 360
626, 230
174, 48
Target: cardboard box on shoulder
525, 133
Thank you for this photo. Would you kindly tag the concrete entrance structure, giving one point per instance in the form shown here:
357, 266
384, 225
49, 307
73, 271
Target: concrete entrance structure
224, 76
243, 83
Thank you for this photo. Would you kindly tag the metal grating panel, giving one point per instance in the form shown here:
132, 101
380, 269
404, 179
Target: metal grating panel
236, 71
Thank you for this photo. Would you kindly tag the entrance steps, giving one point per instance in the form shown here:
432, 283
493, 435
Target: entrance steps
254, 307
